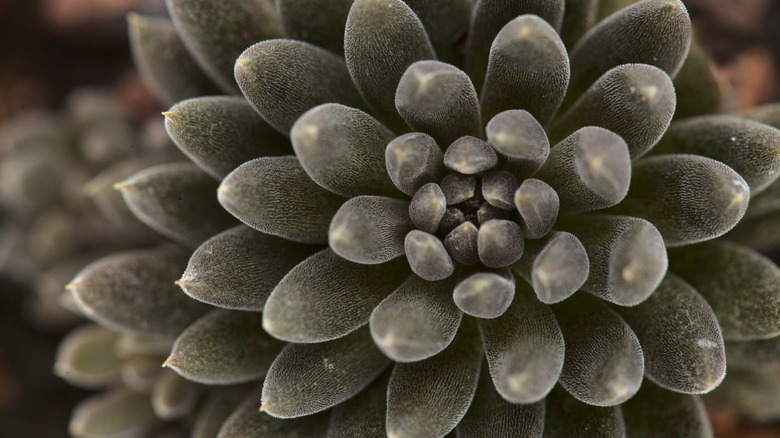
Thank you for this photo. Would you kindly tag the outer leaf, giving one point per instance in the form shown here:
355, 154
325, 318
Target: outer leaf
224, 347
416, 390
578, 17
741, 285
238, 268
416, 321
215, 410
490, 415
528, 69
318, 22
163, 62
343, 150
275, 196
140, 373
655, 412
120, 412
220, 133
362, 415
524, 348
216, 33
246, 421
382, 39
173, 397
134, 292
699, 92
680, 338
283, 79
604, 362
661, 189
176, 200
86, 358
309, 378
566, 417
325, 297
446, 22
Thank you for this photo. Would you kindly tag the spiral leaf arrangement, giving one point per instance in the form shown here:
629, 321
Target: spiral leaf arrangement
469, 218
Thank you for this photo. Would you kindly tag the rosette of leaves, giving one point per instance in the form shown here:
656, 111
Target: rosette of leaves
463, 217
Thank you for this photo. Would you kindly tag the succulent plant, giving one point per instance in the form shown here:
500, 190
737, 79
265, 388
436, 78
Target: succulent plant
457, 217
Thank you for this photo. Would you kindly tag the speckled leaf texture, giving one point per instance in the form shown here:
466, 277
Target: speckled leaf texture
224, 347
740, 284
364, 414
246, 421
319, 22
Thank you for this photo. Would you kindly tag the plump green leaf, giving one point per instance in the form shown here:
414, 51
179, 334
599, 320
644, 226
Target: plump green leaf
485, 294
752, 149
556, 266
325, 297
626, 254
566, 417
741, 285
427, 256
343, 150
438, 99
219, 133
309, 378
362, 415
416, 321
319, 22
86, 357
413, 160
524, 348
134, 292
120, 412
604, 362
490, 415
680, 338
283, 79
520, 140
276, 196
370, 229
163, 62
528, 69
661, 192
382, 39
176, 200
174, 397
215, 33
635, 101
656, 412
416, 390
247, 421
224, 347
238, 268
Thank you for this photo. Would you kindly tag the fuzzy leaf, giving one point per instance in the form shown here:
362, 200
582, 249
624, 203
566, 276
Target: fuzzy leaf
216, 33
427, 256
309, 378
246, 421
752, 149
741, 285
524, 348
275, 195
500, 243
219, 133
238, 268
485, 294
325, 297
224, 347
469, 156
283, 79
362, 415
417, 321
438, 99
604, 363
320, 22
120, 412
490, 415
656, 412
134, 292
487, 20
86, 357
661, 192
520, 139
428, 207
635, 101
176, 200
556, 266
163, 62
680, 338
528, 69
566, 417
174, 397
371, 229
382, 39
626, 254
538, 205
416, 390
654, 32
413, 160
343, 150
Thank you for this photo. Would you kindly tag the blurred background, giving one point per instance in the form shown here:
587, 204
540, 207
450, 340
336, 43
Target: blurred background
48, 48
